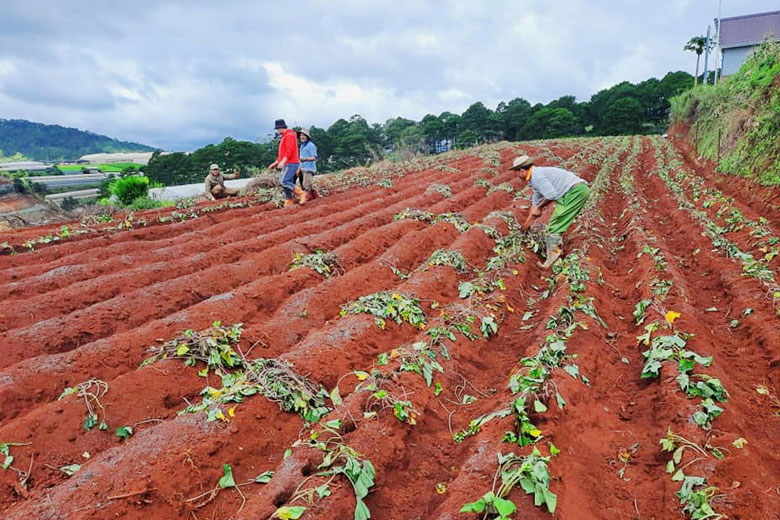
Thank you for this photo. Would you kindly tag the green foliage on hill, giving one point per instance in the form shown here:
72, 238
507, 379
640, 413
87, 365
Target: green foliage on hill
742, 113
52, 143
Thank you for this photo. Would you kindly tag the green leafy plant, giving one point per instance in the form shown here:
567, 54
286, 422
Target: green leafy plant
339, 459
530, 472
639, 310
124, 432
128, 189
475, 425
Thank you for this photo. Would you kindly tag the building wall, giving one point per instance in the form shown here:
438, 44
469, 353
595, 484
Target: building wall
734, 58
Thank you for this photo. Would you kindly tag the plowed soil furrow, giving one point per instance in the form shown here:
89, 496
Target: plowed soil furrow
90, 307
100, 319
99, 288
95, 261
744, 355
121, 385
397, 498
265, 294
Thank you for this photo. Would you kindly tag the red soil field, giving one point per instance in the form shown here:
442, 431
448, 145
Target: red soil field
404, 420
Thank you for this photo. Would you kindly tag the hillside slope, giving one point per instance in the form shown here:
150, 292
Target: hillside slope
379, 350
55, 143
736, 123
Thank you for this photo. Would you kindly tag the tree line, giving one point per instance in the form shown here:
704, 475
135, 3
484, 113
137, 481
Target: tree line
625, 108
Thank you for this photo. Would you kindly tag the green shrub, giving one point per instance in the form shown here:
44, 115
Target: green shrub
128, 189
148, 203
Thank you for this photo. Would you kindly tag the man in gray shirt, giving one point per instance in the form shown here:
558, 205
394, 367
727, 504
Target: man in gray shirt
566, 189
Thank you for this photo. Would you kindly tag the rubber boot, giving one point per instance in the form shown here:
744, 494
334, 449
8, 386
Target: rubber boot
304, 198
288, 203
554, 250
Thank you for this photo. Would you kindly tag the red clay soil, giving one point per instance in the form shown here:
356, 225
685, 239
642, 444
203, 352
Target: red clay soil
90, 307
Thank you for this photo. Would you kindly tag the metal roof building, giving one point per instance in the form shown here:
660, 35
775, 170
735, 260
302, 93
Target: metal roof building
739, 35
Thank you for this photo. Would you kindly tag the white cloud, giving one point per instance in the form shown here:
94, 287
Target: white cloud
182, 73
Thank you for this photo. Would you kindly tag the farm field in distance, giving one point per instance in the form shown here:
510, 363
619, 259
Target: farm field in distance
392, 349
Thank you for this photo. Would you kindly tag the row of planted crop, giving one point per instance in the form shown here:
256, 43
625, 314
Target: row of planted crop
665, 344
670, 169
531, 383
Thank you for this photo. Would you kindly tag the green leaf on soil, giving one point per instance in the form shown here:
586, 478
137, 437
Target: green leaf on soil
124, 432
289, 512
227, 478
264, 477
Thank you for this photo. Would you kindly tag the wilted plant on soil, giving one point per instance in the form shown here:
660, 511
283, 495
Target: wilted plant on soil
91, 392
452, 259
213, 346
388, 305
456, 219
504, 186
275, 380
321, 262
441, 189
414, 213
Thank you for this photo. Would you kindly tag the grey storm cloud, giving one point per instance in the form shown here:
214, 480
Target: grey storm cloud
180, 74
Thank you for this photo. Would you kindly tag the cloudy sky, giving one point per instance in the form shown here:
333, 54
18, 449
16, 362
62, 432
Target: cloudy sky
181, 74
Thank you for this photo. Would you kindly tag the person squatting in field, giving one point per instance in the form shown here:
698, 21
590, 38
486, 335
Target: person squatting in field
215, 184
286, 161
308, 168
569, 192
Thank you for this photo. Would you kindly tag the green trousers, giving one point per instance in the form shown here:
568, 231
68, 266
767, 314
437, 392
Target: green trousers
567, 208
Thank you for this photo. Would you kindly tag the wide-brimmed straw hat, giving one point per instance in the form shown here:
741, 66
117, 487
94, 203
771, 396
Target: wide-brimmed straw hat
305, 131
522, 162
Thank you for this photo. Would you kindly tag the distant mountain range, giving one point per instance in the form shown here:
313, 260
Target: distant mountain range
52, 143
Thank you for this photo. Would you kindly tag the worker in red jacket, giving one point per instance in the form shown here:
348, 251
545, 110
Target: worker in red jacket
286, 161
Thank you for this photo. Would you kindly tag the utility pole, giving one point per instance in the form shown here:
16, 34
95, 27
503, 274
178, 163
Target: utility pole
717, 40
706, 55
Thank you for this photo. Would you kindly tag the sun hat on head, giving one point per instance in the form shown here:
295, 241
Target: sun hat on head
522, 161
279, 124
214, 166
305, 131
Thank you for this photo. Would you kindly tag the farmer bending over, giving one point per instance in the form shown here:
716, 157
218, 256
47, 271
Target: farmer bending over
549, 184
215, 184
